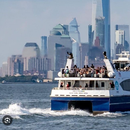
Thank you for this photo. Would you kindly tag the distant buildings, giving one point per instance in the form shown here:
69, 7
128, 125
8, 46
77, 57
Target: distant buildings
73, 30
60, 56
75, 36
31, 55
43, 46
60, 35
90, 35
15, 65
4, 69
34, 63
99, 32
100, 16
122, 38
84, 49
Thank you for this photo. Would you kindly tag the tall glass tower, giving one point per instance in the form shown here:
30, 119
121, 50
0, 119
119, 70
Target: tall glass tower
101, 8
43, 46
75, 36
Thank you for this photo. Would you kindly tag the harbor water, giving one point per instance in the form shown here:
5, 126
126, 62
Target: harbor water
30, 107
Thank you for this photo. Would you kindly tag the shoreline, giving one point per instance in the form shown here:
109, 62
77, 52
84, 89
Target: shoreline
30, 83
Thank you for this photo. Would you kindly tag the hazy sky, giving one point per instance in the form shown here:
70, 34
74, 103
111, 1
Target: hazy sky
24, 21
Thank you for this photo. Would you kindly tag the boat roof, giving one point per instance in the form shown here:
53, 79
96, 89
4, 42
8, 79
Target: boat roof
78, 78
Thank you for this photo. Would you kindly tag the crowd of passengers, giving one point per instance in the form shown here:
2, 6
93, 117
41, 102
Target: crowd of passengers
86, 71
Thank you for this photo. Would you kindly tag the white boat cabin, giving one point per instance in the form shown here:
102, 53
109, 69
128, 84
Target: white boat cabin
85, 84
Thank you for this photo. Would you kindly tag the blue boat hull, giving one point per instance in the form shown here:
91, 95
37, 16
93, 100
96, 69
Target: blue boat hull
99, 104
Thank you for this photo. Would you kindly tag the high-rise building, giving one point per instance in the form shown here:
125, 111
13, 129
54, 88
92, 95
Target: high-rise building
30, 50
43, 46
15, 65
34, 64
126, 39
101, 8
120, 37
75, 36
73, 30
4, 69
84, 49
100, 30
59, 35
90, 35
76, 52
45, 64
60, 56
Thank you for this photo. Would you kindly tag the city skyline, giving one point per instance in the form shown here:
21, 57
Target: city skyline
26, 21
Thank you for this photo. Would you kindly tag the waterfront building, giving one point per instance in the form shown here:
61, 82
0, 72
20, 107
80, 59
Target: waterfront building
43, 46
30, 51
101, 9
4, 69
126, 35
15, 65
45, 64
59, 34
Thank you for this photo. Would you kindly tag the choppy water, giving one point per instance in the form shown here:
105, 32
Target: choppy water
29, 105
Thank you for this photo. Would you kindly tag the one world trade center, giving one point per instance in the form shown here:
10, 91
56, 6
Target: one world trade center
101, 23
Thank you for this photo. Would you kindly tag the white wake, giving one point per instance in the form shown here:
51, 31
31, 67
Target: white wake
15, 110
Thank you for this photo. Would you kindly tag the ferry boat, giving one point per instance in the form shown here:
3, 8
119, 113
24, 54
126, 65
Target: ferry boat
106, 89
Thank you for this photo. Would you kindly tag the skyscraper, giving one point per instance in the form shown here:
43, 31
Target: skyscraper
4, 69
75, 36
125, 28
84, 49
120, 37
59, 34
15, 65
100, 30
101, 8
30, 50
76, 52
90, 35
60, 56
43, 46
73, 30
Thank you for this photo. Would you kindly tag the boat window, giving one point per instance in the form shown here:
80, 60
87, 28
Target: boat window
122, 66
97, 85
116, 65
86, 85
102, 84
125, 85
69, 84
76, 84
91, 84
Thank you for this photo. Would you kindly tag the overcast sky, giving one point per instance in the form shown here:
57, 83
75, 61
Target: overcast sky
24, 21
